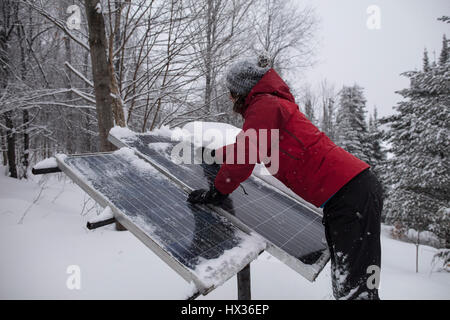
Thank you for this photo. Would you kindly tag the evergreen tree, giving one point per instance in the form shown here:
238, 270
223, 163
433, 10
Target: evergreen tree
327, 122
443, 58
351, 128
419, 171
426, 61
309, 111
377, 154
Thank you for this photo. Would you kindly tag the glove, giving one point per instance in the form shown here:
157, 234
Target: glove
212, 196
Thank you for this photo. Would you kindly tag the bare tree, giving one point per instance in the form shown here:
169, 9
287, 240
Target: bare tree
327, 96
308, 100
100, 71
7, 25
285, 30
221, 30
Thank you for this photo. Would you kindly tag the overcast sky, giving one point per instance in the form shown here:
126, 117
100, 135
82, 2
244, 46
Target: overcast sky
350, 52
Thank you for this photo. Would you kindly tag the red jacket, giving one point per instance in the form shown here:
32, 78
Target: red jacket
310, 164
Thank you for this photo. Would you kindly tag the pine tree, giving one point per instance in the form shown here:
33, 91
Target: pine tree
309, 111
351, 128
426, 61
419, 171
377, 154
443, 58
327, 121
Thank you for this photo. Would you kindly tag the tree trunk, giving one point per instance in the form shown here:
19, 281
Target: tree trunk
208, 58
87, 145
25, 113
5, 30
3, 146
100, 73
26, 143
11, 142
101, 76
117, 35
71, 138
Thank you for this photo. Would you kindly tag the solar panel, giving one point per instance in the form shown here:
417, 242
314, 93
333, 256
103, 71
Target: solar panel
151, 206
294, 232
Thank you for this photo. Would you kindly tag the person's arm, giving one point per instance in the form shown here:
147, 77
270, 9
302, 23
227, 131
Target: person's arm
263, 116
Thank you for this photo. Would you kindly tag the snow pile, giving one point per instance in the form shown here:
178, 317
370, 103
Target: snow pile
46, 163
122, 133
175, 134
425, 237
127, 135
212, 135
441, 260
212, 272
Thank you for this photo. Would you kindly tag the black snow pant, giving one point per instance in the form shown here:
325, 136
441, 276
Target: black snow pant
352, 228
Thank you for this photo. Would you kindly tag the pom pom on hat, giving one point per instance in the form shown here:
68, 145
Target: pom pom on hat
243, 75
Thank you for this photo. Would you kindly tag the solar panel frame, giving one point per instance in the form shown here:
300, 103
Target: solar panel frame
309, 271
186, 273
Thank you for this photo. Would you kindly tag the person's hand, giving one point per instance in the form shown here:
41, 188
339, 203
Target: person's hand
212, 196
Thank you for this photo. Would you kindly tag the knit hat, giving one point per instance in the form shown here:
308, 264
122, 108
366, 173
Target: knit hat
243, 75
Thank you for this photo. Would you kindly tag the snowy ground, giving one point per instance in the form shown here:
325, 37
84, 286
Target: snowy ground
42, 233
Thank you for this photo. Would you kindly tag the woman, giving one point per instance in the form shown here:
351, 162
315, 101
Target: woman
313, 167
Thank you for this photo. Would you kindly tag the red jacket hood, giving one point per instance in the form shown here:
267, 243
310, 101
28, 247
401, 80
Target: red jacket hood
270, 83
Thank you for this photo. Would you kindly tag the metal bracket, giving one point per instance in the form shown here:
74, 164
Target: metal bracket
98, 224
45, 170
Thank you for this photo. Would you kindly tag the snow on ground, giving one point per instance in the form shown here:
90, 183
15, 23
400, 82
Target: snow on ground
43, 233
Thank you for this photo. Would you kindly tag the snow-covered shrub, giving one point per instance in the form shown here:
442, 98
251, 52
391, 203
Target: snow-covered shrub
441, 260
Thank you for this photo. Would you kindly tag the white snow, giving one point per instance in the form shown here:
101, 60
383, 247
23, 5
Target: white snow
213, 135
208, 134
176, 133
116, 265
425, 237
159, 146
211, 272
37, 252
46, 163
103, 215
122, 133
135, 161
81, 76
98, 8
